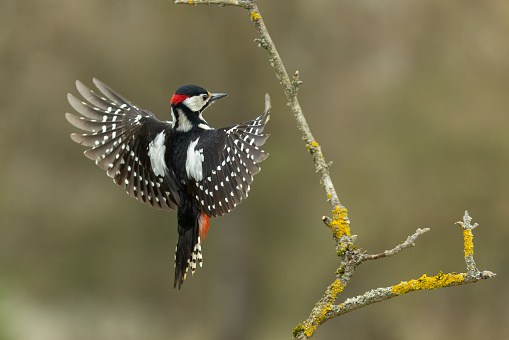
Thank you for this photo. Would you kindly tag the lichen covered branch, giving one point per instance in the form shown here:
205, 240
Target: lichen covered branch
425, 282
468, 237
240, 3
326, 309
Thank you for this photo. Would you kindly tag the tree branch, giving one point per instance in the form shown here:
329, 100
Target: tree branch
406, 244
350, 256
239, 3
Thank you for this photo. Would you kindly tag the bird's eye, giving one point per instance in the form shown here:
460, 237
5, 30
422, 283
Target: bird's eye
204, 97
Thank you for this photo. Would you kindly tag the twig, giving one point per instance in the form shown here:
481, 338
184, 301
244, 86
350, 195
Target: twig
406, 244
440, 280
240, 3
469, 245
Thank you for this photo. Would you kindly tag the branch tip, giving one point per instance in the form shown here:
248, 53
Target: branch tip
487, 274
408, 243
466, 223
296, 81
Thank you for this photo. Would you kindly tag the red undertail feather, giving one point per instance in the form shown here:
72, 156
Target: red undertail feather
204, 226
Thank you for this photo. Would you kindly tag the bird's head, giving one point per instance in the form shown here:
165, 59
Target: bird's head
188, 104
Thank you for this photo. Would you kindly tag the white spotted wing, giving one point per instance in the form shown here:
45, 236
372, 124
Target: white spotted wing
230, 160
123, 139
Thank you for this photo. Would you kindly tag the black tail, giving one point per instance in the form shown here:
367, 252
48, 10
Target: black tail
188, 252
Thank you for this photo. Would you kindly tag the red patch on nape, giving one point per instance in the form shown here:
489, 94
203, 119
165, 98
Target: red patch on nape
178, 98
203, 224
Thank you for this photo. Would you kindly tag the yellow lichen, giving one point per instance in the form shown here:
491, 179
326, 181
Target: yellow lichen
424, 282
329, 196
297, 330
255, 16
323, 307
314, 144
339, 224
469, 245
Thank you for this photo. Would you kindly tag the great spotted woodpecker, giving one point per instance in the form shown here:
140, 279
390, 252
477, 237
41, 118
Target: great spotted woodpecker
182, 164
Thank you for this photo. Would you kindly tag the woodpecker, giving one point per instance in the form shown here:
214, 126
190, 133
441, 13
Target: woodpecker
182, 164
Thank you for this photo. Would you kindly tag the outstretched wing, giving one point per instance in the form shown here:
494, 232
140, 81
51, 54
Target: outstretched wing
121, 139
230, 159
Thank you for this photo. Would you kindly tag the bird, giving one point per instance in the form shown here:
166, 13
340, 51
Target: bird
183, 164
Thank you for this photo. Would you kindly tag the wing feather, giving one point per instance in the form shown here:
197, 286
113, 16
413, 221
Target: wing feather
119, 138
230, 164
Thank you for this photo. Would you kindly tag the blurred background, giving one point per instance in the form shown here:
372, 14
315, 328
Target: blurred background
408, 99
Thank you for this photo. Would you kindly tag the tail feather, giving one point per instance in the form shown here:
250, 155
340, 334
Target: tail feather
188, 252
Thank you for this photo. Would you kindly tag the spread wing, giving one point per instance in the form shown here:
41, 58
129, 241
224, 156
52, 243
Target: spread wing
120, 140
230, 159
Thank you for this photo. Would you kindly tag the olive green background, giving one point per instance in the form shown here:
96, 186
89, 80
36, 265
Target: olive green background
410, 100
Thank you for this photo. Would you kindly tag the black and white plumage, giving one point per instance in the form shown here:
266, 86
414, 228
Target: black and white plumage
182, 165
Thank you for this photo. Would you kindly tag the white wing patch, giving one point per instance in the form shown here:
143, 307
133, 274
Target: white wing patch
156, 152
194, 161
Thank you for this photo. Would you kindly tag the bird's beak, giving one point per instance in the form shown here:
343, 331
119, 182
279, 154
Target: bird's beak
216, 96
